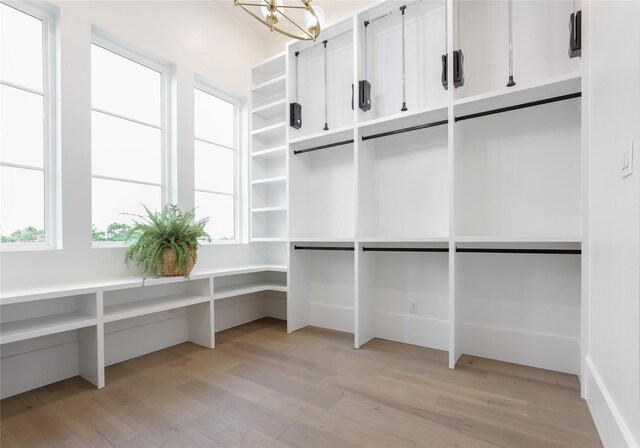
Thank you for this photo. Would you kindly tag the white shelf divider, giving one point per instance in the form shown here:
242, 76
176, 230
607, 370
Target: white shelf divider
43, 326
142, 307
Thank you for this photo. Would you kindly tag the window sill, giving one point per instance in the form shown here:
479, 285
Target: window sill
36, 247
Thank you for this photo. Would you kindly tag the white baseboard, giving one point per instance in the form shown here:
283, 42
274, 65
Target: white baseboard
333, 317
544, 351
613, 430
415, 330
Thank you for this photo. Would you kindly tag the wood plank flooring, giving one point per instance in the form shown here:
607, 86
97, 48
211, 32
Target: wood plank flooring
263, 388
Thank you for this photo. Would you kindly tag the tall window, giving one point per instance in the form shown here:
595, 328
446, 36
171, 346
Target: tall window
216, 162
128, 137
26, 127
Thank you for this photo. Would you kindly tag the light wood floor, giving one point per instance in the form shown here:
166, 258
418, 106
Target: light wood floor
263, 388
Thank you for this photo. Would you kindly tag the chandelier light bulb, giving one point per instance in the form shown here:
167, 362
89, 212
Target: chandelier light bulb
310, 22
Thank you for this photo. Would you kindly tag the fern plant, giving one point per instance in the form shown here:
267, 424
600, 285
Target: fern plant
170, 228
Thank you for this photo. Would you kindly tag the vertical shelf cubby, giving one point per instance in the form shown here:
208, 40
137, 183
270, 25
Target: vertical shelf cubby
540, 43
522, 308
403, 178
308, 87
268, 150
403, 293
380, 57
518, 173
321, 286
322, 187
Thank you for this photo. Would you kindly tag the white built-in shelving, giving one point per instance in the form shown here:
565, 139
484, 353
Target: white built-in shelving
441, 181
269, 151
72, 321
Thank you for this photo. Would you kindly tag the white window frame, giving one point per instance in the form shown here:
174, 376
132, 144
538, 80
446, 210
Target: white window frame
50, 130
239, 104
109, 44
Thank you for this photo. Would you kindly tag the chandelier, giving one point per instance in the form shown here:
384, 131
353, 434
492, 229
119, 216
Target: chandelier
281, 17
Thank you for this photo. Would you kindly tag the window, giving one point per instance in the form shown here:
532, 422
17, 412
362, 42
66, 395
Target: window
27, 127
128, 138
216, 162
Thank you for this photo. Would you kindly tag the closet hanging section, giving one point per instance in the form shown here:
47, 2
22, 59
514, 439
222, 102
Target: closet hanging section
403, 130
316, 148
345, 248
405, 249
478, 250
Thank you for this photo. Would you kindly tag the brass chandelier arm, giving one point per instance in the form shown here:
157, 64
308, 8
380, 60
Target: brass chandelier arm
298, 26
307, 35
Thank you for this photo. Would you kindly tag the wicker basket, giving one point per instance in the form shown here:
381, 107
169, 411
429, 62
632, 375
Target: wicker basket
169, 268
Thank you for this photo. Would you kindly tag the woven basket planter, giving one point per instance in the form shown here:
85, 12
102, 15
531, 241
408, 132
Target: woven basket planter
169, 261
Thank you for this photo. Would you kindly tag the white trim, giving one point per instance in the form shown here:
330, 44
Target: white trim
609, 421
240, 112
113, 44
48, 17
22, 167
19, 87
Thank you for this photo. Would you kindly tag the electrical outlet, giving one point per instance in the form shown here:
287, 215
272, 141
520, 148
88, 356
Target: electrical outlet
413, 307
627, 162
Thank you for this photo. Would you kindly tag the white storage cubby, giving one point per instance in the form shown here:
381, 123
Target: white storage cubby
403, 293
322, 187
380, 57
540, 43
403, 179
310, 82
269, 151
520, 307
518, 173
321, 286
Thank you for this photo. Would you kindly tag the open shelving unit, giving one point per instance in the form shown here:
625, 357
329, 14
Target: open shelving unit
269, 151
75, 322
490, 176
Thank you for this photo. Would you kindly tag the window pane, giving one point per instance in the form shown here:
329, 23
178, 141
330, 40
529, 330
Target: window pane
22, 206
124, 87
110, 199
21, 127
214, 119
214, 168
21, 48
221, 212
125, 149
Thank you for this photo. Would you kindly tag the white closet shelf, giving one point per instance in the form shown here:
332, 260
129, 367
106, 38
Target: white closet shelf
248, 288
403, 120
315, 239
269, 209
272, 68
269, 180
271, 87
272, 131
518, 239
278, 151
408, 239
269, 240
78, 288
150, 306
43, 326
519, 94
323, 138
271, 110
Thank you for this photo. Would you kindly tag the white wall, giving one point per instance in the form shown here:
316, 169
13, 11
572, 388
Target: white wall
613, 365
199, 38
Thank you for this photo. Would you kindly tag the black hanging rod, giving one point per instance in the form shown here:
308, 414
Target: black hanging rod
520, 106
405, 249
315, 148
519, 251
322, 248
409, 129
